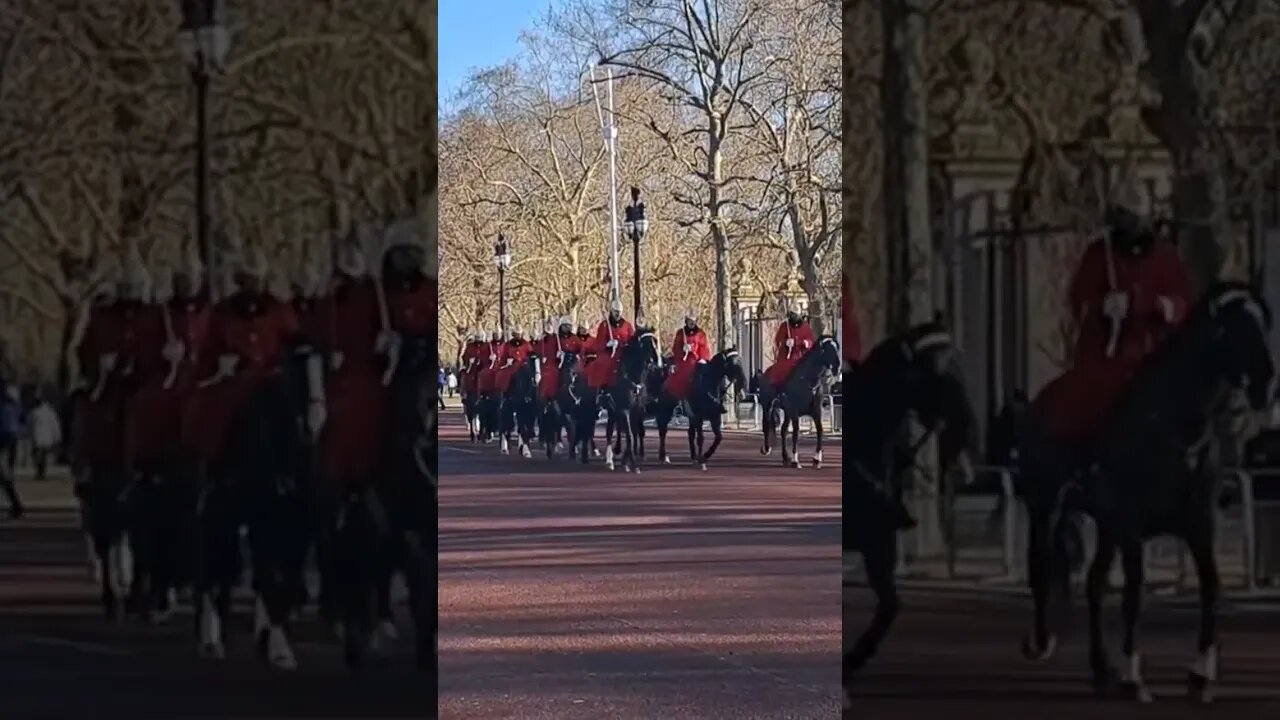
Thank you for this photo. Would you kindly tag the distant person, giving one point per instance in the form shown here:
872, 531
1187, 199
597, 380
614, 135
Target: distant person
10, 431
442, 379
46, 436
452, 381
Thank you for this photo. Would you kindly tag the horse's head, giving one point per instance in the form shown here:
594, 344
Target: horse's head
828, 354
729, 365
926, 371
1240, 322
642, 353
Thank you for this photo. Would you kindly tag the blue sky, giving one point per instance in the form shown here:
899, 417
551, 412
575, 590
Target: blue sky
480, 33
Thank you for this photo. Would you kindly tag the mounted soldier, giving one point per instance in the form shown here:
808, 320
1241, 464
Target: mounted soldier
791, 342
689, 349
611, 335
1129, 292
553, 350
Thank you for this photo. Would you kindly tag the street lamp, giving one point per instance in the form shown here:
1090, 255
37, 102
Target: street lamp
203, 42
502, 261
636, 225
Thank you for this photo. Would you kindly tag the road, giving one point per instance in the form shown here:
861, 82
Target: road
575, 593
955, 654
62, 660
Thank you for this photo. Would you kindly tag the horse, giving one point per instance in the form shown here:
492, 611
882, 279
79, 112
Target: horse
706, 396
626, 399
518, 407
257, 481
1152, 469
802, 394
909, 375
104, 484
560, 413
471, 411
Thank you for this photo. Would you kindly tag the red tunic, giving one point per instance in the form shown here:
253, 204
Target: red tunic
120, 329
513, 355
786, 358
260, 340
552, 349
155, 413
489, 356
1079, 400
348, 325
470, 366
603, 371
851, 328
687, 350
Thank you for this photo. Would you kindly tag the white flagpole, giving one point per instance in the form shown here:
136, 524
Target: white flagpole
611, 136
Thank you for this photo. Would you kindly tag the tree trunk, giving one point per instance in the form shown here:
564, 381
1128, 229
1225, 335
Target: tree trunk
909, 244
720, 239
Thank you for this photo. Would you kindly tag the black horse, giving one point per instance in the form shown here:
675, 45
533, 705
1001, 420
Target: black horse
560, 413
913, 374
625, 400
707, 393
518, 407
1152, 469
471, 411
802, 394
258, 482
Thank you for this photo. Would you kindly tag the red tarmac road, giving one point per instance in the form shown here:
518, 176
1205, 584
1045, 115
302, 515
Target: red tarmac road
955, 655
573, 593
61, 660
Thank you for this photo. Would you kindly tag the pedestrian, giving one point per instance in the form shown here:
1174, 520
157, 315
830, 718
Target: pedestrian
10, 430
452, 381
441, 381
46, 436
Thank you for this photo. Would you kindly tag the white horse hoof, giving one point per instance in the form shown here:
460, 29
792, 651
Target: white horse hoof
702, 467
766, 451
795, 464
595, 452
525, 452
279, 654
213, 651
626, 468
666, 459
608, 464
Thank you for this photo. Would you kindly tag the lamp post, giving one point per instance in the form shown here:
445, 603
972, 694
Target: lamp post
636, 226
203, 42
502, 261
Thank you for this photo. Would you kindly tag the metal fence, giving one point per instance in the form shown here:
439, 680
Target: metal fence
986, 535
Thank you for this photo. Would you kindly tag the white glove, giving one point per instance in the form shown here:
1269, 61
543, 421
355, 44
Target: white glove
387, 343
807, 344
611, 344
316, 417
336, 360
1165, 303
702, 362
108, 361
791, 342
227, 365
688, 348
559, 354
173, 352
1116, 305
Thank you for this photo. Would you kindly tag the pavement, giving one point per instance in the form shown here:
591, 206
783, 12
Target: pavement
578, 593
955, 653
60, 659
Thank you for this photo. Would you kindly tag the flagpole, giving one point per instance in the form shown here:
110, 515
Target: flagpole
611, 136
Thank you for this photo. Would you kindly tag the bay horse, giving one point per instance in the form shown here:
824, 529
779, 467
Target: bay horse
707, 392
802, 395
518, 406
912, 375
258, 481
560, 414
625, 400
1152, 469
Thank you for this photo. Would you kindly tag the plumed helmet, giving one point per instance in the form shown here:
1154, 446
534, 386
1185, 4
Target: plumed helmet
691, 314
351, 261
1126, 196
134, 280
481, 336
253, 262
615, 306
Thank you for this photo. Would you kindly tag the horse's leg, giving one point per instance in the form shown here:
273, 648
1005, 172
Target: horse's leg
795, 441
879, 563
610, 452
782, 439
270, 534
1131, 556
629, 448
663, 421
817, 429
1203, 673
695, 443
1104, 674
766, 424
1041, 643
716, 421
